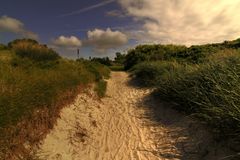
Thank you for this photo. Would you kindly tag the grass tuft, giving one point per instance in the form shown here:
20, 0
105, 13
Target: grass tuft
210, 90
100, 88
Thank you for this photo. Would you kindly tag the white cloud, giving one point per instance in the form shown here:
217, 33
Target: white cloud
103, 40
185, 21
67, 42
8, 24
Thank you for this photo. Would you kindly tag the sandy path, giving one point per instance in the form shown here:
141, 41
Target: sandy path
122, 127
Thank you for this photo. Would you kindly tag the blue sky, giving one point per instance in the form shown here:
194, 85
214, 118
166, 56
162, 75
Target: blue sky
102, 27
48, 20
44, 16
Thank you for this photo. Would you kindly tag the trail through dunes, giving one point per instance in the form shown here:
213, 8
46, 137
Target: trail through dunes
128, 124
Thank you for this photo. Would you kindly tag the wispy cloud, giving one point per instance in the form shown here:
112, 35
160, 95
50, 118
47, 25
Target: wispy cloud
88, 8
12, 25
116, 13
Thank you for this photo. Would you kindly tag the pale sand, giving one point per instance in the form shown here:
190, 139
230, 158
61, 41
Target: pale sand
120, 127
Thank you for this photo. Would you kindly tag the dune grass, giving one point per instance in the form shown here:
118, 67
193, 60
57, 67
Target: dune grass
101, 87
209, 91
36, 52
25, 86
35, 78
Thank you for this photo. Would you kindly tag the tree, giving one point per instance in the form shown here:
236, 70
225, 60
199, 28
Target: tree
120, 58
105, 60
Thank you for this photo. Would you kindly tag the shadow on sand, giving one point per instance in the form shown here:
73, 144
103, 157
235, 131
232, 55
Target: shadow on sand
179, 136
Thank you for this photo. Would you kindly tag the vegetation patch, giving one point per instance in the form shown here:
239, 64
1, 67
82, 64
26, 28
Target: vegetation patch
208, 89
35, 80
34, 51
101, 87
117, 68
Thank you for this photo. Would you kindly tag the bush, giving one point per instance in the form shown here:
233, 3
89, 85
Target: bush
34, 51
153, 53
3, 47
148, 73
34, 81
210, 91
100, 71
101, 87
154, 73
195, 54
105, 61
120, 58
117, 68
26, 86
28, 41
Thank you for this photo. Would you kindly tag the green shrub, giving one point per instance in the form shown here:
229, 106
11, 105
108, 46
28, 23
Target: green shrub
2, 47
153, 73
33, 80
34, 51
26, 85
210, 91
101, 87
117, 68
16, 41
196, 54
105, 60
120, 58
156, 52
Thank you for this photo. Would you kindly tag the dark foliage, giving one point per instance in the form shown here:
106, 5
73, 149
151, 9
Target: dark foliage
105, 60
194, 54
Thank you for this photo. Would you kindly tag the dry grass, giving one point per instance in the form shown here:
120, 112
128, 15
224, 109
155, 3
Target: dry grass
209, 91
33, 89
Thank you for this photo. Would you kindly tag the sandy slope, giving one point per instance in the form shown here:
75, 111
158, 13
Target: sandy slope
124, 126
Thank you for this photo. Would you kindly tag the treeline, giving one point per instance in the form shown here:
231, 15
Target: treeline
35, 83
203, 81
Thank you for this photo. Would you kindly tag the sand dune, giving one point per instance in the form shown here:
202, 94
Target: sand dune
122, 126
